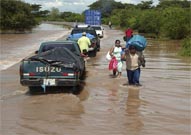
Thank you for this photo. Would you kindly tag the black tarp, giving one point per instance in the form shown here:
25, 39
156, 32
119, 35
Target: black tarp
60, 56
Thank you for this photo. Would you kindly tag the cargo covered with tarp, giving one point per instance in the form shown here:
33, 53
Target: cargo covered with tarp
61, 57
76, 36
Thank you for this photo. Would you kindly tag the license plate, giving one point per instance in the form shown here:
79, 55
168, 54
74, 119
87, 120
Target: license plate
49, 82
91, 49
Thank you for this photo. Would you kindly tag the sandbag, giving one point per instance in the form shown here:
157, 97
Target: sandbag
138, 41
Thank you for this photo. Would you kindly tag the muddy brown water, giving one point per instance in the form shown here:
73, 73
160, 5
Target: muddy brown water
105, 106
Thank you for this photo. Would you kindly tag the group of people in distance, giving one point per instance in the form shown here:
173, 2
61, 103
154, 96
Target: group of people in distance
134, 59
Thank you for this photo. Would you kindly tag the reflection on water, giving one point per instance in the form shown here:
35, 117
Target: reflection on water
48, 27
134, 122
43, 113
133, 101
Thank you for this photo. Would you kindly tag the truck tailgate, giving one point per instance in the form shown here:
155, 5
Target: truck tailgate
36, 73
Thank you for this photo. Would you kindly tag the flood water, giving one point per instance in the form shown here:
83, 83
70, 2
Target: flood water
105, 106
14, 47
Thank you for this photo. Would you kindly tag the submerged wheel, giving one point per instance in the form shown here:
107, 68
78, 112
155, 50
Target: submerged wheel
93, 53
34, 89
76, 89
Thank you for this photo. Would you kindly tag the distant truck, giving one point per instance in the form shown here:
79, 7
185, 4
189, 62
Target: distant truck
93, 17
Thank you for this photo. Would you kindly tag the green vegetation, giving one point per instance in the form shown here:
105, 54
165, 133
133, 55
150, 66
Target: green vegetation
169, 19
186, 47
16, 16
55, 15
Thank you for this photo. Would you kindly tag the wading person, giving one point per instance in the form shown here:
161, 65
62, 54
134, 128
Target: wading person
134, 60
110, 25
84, 43
115, 52
128, 34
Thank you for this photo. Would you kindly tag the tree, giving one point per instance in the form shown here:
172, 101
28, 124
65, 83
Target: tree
149, 21
145, 5
176, 22
174, 3
54, 13
106, 6
71, 17
35, 10
16, 15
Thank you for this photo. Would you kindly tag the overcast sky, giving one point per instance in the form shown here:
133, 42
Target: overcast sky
77, 6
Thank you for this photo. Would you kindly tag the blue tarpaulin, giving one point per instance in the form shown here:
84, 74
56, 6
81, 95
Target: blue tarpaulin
79, 35
138, 41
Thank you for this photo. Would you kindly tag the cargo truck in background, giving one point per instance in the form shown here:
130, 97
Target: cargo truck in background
93, 17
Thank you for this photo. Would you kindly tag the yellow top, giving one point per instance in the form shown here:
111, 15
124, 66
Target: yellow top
84, 43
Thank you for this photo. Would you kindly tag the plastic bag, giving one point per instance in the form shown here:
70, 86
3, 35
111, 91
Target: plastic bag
113, 64
108, 56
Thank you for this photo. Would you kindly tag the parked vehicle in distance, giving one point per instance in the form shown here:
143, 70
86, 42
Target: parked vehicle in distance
91, 34
82, 25
57, 63
99, 30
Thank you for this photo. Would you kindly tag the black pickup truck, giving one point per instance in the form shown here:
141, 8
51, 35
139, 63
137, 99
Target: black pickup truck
94, 38
56, 63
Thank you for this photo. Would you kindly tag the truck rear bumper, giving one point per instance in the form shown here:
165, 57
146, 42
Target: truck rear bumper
58, 82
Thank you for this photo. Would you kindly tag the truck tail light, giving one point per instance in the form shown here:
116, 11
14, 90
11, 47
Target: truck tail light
70, 74
93, 44
29, 74
65, 74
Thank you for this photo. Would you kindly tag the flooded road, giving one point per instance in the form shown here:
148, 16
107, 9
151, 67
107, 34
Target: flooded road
13, 44
105, 106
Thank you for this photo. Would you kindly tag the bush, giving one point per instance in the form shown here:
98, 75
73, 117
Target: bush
186, 47
176, 22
